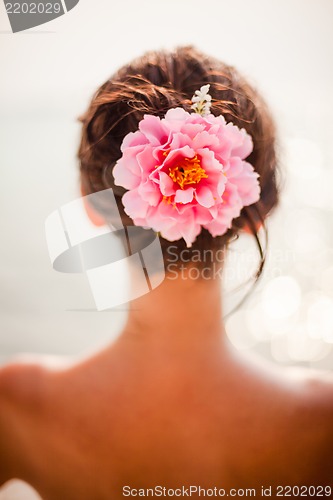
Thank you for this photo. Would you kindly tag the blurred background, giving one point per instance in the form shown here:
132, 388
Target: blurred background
48, 75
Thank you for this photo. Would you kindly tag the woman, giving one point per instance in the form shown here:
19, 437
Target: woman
171, 403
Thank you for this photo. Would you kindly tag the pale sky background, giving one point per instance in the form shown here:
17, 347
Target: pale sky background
49, 73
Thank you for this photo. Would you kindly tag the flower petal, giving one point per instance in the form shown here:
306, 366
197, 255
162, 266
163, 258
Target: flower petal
153, 129
125, 177
247, 184
133, 139
184, 195
149, 192
204, 196
146, 160
166, 184
134, 205
190, 231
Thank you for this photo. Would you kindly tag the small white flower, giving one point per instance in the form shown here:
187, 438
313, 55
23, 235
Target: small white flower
202, 100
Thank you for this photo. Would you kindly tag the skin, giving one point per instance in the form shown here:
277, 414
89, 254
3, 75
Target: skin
169, 403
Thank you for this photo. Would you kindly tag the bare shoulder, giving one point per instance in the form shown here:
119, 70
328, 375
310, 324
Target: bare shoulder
26, 375
297, 404
24, 385
311, 390
315, 396
316, 385
305, 393
17, 372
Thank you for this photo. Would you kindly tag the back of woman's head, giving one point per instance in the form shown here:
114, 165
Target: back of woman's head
156, 82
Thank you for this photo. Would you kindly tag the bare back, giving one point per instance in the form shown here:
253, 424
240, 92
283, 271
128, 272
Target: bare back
115, 421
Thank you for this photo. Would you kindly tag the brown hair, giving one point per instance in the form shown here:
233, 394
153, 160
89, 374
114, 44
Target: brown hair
161, 80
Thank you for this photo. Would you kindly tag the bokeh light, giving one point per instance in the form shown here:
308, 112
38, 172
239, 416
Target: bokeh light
281, 297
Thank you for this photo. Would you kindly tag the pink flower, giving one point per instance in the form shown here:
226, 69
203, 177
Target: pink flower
184, 172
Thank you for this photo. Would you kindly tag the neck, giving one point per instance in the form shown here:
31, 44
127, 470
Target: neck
180, 314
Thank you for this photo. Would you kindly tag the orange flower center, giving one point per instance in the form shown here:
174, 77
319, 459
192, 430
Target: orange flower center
188, 171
